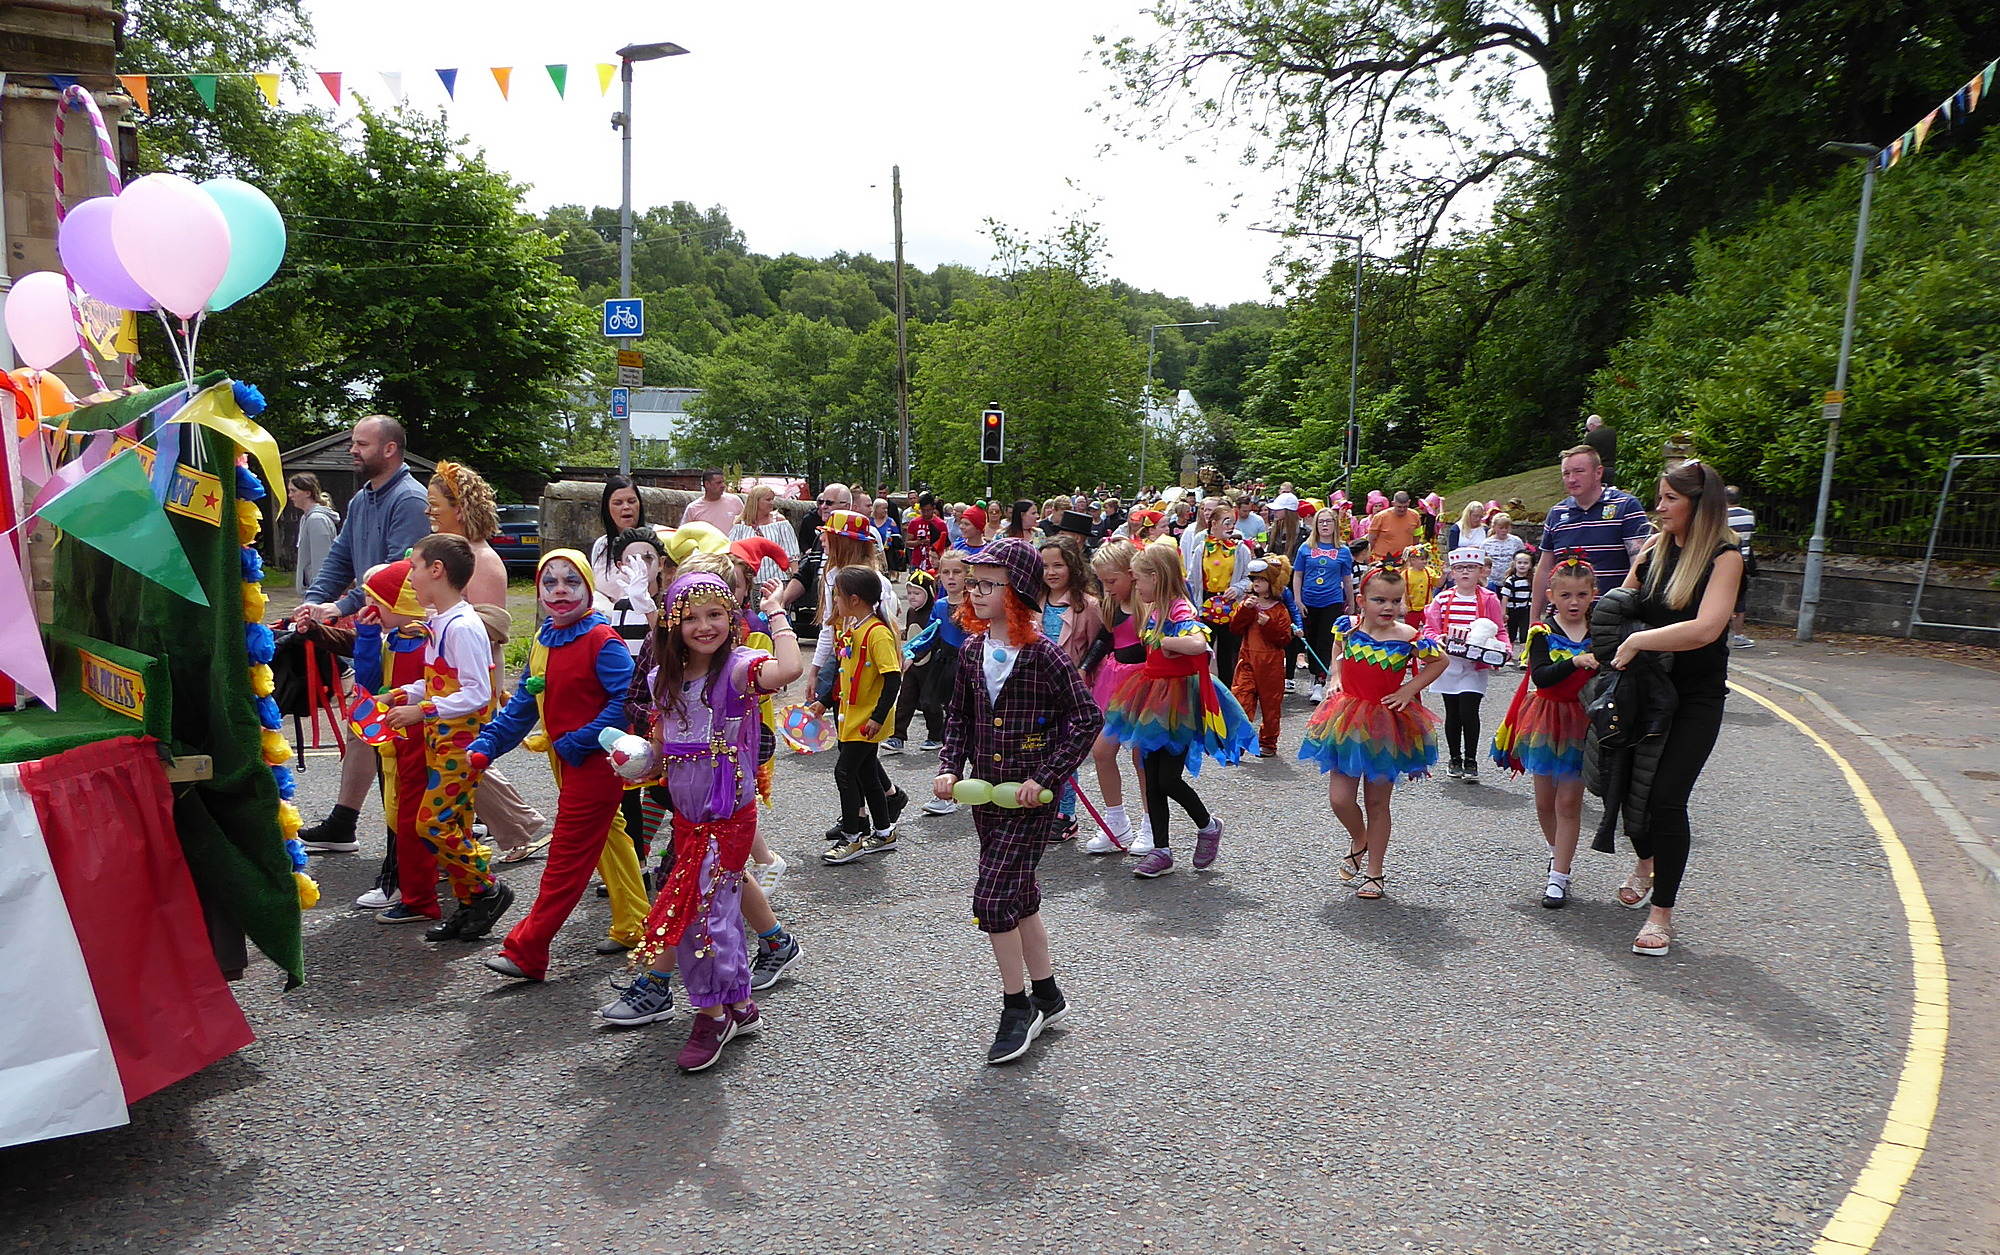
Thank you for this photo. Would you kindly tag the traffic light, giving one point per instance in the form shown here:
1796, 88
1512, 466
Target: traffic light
992, 435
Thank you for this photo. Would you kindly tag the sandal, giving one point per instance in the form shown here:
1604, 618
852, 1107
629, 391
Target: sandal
1636, 892
1367, 894
1654, 940
1350, 867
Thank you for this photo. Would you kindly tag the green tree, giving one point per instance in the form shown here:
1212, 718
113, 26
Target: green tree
1049, 344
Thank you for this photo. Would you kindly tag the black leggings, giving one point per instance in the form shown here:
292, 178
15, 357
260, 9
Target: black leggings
1227, 645
858, 774
1690, 740
1461, 725
1165, 776
1319, 637
1517, 629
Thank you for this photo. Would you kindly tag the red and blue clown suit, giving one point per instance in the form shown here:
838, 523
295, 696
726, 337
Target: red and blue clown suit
574, 685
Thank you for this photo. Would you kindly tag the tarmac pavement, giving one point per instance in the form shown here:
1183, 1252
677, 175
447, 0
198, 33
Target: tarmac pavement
1254, 1060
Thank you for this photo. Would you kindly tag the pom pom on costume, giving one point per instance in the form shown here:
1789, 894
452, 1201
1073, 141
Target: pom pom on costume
253, 565
248, 399
254, 601
249, 521
308, 890
289, 820
248, 486
262, 682
478, 761
259, 643
288, 783
275, 749
267, 713
297, 850
534, 684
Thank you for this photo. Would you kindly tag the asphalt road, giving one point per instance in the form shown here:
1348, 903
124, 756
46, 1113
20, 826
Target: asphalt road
1254, 1061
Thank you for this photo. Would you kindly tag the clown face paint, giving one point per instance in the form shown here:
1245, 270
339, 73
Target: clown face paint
564, 593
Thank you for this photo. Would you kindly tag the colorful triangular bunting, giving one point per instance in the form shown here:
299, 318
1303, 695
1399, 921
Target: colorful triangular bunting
393, 80
501, 74
1973, 89
606, 71
21, 655
450, 80
204, 87
331, 78
268, 84
112, 510
559, 75
136, 87
1922, 129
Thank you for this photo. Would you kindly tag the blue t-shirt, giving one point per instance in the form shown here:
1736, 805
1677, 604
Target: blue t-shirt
1601, 532
1323, 575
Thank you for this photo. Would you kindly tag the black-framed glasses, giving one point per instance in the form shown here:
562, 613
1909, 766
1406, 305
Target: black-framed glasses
829, 501
985, 588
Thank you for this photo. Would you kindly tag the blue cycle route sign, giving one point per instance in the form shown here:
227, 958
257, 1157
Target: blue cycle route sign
621, 402
625, 316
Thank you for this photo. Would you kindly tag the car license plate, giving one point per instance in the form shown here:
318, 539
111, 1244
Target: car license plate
531, 539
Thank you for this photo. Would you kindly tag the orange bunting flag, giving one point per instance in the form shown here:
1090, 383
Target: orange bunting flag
268, 84
331, 78
1923, 129
606, 71
501, 73
138, 89
1972, 90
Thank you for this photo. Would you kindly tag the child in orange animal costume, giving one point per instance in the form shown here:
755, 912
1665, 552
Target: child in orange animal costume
1264, 622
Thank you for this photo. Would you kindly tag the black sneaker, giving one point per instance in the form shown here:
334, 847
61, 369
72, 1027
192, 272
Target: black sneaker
329, 836
485, 911
1457, 768
770, 962
1052, 1009
899, 802
1018, 1026
837, 834
447, 928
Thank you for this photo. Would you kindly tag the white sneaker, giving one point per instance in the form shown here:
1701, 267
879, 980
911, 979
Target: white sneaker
376, 900
1103, 844
1291, 686
1319, 693
1142, 842
940, 806
1739, 641
770, 875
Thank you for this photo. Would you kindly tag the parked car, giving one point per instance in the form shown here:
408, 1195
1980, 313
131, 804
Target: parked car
519, 541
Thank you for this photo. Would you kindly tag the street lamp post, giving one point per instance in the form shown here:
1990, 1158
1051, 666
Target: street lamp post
1816, 548
1146, 399
622, 122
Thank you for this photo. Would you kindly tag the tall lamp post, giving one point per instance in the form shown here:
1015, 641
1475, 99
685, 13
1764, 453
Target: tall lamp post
622, 122
1146, 400
1816, 548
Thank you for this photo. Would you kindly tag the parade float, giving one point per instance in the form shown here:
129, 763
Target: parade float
144, 785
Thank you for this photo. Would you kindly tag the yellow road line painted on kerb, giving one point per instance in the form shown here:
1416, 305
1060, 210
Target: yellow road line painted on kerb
1863, 1214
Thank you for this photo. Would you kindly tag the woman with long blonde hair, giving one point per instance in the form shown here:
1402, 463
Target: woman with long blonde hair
1687, 577
761, 518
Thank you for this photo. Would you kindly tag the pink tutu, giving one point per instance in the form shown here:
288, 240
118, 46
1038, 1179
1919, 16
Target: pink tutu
1110, 674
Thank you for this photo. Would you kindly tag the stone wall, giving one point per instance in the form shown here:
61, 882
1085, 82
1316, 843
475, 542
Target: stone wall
1874, 603
570, 511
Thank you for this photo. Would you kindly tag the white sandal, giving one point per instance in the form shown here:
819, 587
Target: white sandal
1654, 940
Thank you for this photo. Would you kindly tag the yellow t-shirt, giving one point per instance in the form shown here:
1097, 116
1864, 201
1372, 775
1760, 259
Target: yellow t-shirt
866, 655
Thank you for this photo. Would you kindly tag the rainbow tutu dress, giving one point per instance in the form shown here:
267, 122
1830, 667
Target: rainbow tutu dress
1170, 702
1543, 730
1352, 732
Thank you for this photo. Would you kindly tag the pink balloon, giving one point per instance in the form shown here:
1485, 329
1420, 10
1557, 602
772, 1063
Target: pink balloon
84, 241
172, 240
39, 321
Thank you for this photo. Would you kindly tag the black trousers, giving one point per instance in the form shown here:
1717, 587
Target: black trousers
1319, 638
858, 774
1163, 777
1461, 725
1690, 740
1227, 645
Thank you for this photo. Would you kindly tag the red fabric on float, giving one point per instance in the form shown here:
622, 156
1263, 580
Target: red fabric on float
107, 813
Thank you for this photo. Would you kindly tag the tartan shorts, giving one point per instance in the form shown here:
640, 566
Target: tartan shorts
1010, 845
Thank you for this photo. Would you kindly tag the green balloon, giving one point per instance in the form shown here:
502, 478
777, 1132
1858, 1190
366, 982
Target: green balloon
972, 792
1012, 788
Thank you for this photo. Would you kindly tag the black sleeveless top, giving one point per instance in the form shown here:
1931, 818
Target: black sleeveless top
1703, 670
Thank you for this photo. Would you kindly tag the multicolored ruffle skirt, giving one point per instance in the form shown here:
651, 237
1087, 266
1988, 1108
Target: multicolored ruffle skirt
1362, 738
1183, 714
1542, 736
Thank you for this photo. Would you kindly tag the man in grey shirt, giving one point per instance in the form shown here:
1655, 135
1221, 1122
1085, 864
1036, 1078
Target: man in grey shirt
384, 520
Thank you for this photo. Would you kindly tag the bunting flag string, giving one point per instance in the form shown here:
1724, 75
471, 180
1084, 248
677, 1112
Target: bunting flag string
1952, 111
270, 83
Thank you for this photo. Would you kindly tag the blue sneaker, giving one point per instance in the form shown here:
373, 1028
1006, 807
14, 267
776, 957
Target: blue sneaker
402, 914
649, 997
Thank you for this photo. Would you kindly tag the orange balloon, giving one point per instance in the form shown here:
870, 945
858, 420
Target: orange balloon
52, 399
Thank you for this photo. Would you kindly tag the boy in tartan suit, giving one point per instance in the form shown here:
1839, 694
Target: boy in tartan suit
1019, 711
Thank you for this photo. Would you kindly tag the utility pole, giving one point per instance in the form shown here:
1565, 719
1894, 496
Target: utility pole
902, 336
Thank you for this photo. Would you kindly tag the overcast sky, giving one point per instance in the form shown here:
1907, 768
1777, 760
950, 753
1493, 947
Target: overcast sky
789, 114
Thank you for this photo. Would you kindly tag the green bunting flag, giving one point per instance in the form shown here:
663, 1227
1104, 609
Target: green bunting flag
204, 86
559, 75
113, 511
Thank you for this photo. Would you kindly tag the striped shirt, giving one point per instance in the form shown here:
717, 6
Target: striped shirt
1743, 522
1602, 532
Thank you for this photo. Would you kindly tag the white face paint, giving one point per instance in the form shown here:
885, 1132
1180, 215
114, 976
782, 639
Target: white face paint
564, 593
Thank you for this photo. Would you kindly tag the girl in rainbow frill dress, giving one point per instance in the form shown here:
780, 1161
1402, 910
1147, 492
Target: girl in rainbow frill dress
1543, 731
1373, 727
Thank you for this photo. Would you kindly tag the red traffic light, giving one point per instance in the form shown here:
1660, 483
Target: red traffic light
992, 420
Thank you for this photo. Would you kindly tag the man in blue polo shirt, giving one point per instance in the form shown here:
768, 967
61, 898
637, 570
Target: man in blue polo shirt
1608, 524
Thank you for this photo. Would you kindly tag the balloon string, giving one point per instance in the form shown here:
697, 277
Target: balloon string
172, 347
194, 338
